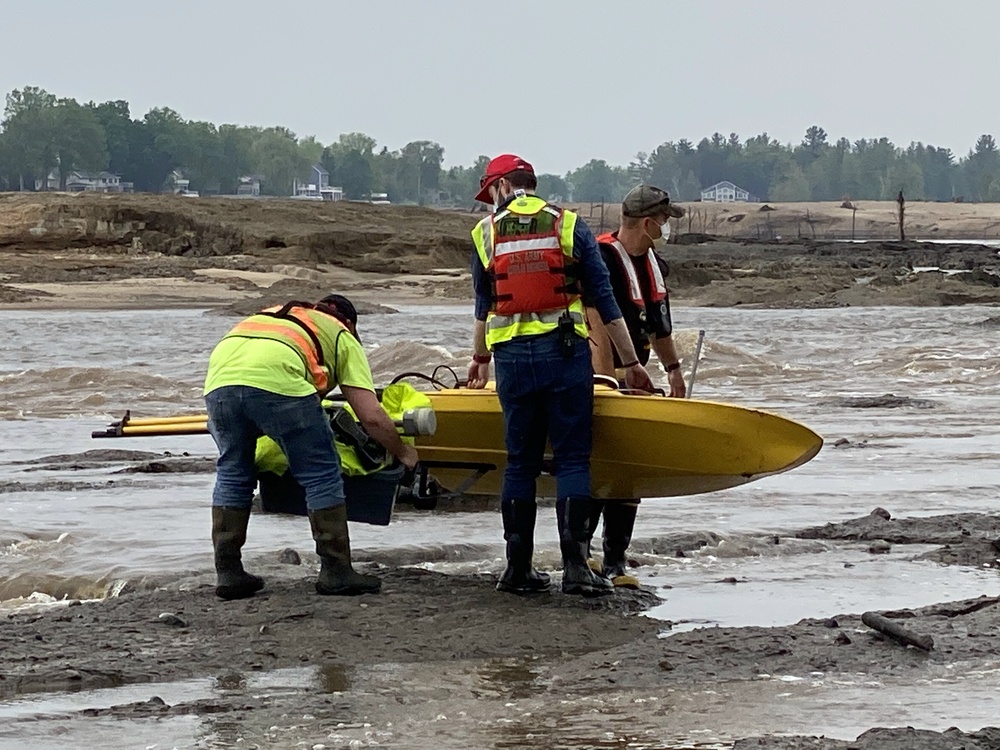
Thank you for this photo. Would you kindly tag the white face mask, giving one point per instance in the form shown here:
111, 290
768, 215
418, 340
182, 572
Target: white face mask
661, 241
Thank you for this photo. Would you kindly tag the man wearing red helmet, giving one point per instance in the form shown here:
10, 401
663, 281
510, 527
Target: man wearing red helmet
533, 262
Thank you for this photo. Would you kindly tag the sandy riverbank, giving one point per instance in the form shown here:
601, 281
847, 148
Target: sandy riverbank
449, 644
62, 251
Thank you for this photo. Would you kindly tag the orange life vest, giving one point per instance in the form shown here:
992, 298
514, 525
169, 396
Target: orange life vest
658, 290
530, 263
293, 325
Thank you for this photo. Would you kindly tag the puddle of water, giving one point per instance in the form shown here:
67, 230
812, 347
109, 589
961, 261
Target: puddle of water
772, 591
504, 703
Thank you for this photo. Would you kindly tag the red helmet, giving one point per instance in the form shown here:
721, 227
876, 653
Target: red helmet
501, 166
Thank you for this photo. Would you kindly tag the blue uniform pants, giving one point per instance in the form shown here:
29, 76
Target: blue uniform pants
544, 394
238, 415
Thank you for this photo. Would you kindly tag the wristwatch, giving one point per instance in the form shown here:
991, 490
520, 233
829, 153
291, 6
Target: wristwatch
482, 359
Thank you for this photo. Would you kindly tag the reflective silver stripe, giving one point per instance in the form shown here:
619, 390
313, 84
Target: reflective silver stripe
654, 268
488, 238
634, 290
553, 211
519, 246
549, 317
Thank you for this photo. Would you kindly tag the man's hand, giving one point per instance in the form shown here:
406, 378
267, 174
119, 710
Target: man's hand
638, 379
479, 374
678, 388
408, 456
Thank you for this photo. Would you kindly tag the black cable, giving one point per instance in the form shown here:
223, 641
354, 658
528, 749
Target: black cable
433, 379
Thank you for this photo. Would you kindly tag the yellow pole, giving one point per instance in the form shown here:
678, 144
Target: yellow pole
165, 420
184, 428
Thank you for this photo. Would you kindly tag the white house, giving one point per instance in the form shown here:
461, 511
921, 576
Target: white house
79, 181
317, 186
726, 192
249, 185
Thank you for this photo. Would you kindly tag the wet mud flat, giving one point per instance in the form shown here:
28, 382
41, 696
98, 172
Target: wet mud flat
447, 653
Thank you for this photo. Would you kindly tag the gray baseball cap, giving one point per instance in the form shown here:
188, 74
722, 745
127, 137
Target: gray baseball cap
646, 200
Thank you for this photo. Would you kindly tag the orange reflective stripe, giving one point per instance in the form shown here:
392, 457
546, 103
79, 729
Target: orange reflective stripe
302, 344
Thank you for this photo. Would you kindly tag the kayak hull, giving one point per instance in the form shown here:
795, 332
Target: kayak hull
644, 446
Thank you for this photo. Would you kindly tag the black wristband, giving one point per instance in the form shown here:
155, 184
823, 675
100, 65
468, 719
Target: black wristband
630, 365
674, 366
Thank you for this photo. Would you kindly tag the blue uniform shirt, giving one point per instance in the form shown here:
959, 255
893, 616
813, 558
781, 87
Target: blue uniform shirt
594, 278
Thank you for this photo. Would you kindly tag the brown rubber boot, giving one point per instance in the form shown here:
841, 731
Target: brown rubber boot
337, 576
229, 534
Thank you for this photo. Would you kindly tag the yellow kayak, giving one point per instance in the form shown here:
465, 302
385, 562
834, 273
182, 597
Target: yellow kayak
644, 446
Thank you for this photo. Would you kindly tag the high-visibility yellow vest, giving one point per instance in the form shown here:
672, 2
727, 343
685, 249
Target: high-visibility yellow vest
310, 333
396, 399
520, 241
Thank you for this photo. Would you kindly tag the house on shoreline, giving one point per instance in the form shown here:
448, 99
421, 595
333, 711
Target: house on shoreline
727, 192
80, 181
317, 186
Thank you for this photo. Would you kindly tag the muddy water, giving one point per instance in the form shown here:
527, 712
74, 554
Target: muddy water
72, 527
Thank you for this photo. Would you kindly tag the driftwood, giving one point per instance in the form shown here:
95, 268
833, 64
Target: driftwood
896, 631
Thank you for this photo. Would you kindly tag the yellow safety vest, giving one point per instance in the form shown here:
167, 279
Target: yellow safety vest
501, 328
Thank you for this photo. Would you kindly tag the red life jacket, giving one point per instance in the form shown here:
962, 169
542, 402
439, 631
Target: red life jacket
658, 290
529, 263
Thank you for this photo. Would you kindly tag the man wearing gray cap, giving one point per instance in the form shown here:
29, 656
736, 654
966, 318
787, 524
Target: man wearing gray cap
637, 280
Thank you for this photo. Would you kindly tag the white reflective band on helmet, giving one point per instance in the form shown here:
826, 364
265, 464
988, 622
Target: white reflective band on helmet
519, 246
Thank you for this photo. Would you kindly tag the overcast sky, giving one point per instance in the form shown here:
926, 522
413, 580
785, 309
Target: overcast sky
558, 82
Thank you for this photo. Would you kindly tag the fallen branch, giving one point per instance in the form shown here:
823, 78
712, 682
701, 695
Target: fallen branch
896, 631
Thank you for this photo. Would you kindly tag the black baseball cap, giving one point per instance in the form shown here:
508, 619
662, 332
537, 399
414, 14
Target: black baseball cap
343, 305
646, 200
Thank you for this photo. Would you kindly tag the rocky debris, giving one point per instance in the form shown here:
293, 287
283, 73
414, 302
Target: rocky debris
977, 554
193, 465
288, 556
901, 738
885, 401
10, 295
953, 529
287, 290
90, 459
861, 444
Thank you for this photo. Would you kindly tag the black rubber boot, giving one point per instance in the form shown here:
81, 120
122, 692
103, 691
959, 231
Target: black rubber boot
619, 522
229, 534
573, 515
337, 576
520, 577
593, 523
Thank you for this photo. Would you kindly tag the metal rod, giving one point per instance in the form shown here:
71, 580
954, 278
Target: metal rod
694, 367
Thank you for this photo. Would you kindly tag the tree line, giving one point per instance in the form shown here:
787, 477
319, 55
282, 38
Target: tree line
42, 135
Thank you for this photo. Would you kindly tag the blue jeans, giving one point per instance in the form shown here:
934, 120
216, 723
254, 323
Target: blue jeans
239, 414
545, 395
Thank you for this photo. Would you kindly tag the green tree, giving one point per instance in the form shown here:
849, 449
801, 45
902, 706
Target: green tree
355, 175
792, 186
552, 187
276, 155
79, 140
595, 181
119, 128
419, 168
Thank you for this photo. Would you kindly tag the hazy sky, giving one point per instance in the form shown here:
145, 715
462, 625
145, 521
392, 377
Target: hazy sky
558, 82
